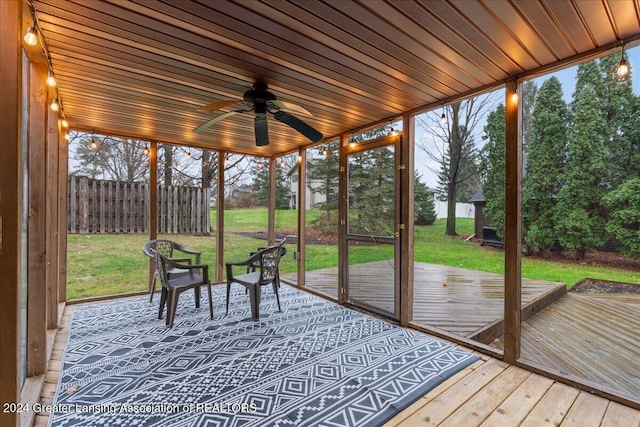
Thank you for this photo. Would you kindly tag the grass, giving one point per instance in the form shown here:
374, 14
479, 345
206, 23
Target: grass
113, 264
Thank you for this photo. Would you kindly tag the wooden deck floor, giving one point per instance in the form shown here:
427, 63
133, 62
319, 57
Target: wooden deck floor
453, 299
488, 393
595, 337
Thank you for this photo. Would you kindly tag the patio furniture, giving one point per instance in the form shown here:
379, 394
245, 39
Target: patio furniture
167, 248
173, 285
266, 273
256, 264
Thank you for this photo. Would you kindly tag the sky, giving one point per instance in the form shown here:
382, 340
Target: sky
424, 164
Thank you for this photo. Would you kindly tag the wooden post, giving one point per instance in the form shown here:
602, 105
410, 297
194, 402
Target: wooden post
63, 207
513, 230
153, 198
343, 250
10, 183
302, 215
37, 246
271, 227
220, 220
407, 146
52, 235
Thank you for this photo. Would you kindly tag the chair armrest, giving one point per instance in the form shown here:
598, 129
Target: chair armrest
187, 260
247, 262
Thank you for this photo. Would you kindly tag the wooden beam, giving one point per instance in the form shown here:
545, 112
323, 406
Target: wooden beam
220, 220
153, 199
52, 235
10, 206
271, 226
301, 201
513, 228
407, 158
36, 302
63, 220
343, 250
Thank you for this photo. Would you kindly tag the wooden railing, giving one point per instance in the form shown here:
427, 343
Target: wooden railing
98, 206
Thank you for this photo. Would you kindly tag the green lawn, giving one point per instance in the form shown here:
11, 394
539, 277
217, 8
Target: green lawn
112, 264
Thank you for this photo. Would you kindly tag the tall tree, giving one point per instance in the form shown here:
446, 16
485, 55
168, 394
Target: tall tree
579, 216
451, 146
624, 222
529, 93
323, 174
107, 157
424, 205
545, 160
492, 166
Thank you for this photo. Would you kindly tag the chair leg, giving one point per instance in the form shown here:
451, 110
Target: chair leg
228, 292
163, 301
196, 292
210, 301
254, 299
275, 291
173, 302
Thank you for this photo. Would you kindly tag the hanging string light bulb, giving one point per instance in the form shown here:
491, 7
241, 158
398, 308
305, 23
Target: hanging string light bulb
325, 152
94, 145
623, 66
146, 150
443, 118
260, 165
55, 106
31, 38
67, 136
51, 80
64, 123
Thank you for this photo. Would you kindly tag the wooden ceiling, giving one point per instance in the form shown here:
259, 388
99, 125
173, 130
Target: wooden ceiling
141, 68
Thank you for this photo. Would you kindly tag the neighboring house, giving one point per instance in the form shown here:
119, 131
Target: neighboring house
313, 197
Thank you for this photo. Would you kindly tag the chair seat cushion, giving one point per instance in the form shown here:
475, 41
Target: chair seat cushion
185, 280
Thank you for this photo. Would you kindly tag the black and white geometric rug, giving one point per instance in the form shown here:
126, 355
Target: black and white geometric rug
313, 364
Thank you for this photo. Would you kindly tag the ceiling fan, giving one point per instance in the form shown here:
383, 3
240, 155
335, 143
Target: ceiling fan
261, 101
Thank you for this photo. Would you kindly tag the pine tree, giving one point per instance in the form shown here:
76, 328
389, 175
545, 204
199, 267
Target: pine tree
624, 223
579, 220
545, 160
492, 166
423, 204
323, 171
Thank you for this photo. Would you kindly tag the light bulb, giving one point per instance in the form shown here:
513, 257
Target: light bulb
325, 152
146, 151
65, 123
94, 146
31, 38
67, 136
623, 68
443, 118
54, 105
51, 80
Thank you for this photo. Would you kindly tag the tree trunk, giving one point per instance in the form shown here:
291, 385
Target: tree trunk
168, 164
451, 209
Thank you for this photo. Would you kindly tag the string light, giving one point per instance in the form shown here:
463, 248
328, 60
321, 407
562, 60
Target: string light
51, 80
443, 118
623, 66
31, 38
65, 123
55, 106
146, 150
260, 165
281, 164
67, 136
325, 152
94, 145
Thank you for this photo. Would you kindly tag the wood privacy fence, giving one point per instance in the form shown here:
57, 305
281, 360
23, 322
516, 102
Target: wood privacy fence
97, 206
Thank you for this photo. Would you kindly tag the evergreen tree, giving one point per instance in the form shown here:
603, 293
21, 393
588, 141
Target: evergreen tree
492, 166
624, 222
529, 93
423, 205
545, 161
579, 220
260, 187
323, 171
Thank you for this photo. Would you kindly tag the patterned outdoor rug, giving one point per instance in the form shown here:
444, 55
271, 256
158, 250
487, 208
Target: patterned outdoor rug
314, 364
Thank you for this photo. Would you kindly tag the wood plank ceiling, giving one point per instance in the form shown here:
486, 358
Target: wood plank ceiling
142, 68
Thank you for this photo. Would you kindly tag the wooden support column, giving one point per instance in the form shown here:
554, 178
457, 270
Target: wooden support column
513, 230
407, 148
153, 199
52, 234
220, 221
343, 251
37, 272
301, 201
271, 227
63, 220
10, 206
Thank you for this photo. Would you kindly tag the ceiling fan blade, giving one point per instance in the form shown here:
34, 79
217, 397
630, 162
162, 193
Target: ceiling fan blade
281, 105
216, 120
298, 125
217, 105
261, 129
